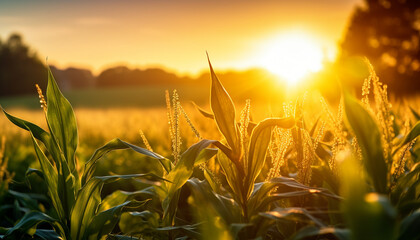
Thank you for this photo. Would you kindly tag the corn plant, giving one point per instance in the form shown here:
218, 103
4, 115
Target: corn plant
79, 212
241, 212
390, 211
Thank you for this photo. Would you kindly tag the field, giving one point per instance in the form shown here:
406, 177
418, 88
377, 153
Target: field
305, 168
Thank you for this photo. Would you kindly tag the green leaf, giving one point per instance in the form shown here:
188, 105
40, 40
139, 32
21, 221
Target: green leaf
294, 213
150, 178
46, 234
139, 222
224, 207
409, 228
29, 200
312, 231
121, 237
189, 230
413, 134
29, 221
39, 134
51, 179
116, 144
224, 112
205, 155
260, 198
203, 112
119, 197
179, 175
371, 218
414, 112
31, 171
89, 199
369, 139
260, 139
87, 202
404, 185
66, 180
114, 199
62, 122
36, 171
104, 222
233, 176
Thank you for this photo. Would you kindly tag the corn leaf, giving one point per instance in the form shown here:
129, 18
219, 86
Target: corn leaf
87, 201
65, 180
138, 222
203, 112
405, 191
62, 121
312, 231
225, 207
104, 222
415, 113
413, 134
224, 112
46, 234
51, 179
294, 213
179, 175
63, 129
121, 237
29, 200
369, 139
39, 134
205, 155
286, 187
29, 221
189, 230
260, 139
372, 218
409, 228
116, 144
114, 199
233, 176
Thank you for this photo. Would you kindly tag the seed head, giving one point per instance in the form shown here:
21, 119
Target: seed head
41, 98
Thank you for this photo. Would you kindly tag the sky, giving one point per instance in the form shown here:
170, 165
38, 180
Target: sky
97, 34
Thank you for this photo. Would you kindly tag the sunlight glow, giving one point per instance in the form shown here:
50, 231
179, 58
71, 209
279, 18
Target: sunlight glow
292, 56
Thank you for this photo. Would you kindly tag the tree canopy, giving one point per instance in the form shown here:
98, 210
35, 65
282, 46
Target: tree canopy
387, 32
20, 68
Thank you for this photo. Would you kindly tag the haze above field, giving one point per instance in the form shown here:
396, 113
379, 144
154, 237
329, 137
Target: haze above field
171, 34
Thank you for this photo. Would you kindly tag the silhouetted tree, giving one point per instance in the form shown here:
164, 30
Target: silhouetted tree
387, 32
73, 78
123, 76
20, 68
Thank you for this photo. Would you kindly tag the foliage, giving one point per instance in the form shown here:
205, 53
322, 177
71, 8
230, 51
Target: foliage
20, 67
78, 210
387, 33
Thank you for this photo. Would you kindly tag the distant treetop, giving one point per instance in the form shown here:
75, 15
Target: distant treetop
387, 32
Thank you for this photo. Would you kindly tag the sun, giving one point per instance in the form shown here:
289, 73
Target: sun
292, 56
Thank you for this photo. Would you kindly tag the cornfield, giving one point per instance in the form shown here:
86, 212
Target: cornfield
345, 172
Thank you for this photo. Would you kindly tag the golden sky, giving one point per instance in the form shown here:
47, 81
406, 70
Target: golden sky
175, 34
